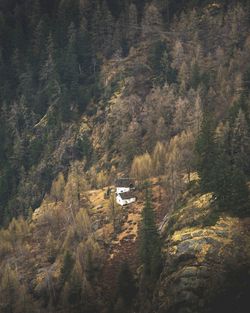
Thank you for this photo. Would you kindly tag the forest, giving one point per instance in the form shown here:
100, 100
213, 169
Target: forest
156, 90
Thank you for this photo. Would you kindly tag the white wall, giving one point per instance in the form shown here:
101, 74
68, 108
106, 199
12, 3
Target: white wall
128, 201
122, 189
119, 199
123, 202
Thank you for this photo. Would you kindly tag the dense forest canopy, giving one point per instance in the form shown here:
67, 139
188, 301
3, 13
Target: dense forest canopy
50, 61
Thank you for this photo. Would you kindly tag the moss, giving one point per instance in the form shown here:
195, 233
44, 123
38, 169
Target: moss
211, 219
170, 229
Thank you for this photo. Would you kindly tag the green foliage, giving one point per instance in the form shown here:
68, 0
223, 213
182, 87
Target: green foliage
67, 266
14, 293
35, 149
116, 6
195, 76
212, 218
150, 244
231, 188
126, 285
74, 296
160, 62
222, 164
232, 294
84, 147
206, 149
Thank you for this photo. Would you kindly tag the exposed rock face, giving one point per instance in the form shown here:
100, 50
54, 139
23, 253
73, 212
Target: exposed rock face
200, 262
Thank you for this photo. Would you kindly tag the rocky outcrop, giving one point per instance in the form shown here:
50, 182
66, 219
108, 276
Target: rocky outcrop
206, 267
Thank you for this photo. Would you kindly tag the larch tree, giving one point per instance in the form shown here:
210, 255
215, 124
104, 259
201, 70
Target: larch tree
174, 170
161, 130
142, 167
101, 179
129, 141
159, 158
14, 296
177, 55
151, 21
183, 77
76, 184
114, 211
83, 224
51, 247
57, 188
181, 115
197, 115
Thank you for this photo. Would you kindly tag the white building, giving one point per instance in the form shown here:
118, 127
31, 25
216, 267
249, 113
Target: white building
125, 198
124, 186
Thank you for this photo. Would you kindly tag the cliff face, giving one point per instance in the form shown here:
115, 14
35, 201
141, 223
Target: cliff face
206, 268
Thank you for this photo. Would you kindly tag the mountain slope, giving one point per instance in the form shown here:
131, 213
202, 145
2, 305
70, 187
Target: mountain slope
95, 90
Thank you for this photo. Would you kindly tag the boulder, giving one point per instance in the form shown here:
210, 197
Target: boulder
199, 259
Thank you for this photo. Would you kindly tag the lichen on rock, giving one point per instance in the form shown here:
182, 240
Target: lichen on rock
198, 259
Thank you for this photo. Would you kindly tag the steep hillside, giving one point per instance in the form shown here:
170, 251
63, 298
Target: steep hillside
57, 247
96, 90
88, 84
206, 261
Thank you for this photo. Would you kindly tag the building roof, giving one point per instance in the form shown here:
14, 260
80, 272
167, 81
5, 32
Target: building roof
127, 195
124, 182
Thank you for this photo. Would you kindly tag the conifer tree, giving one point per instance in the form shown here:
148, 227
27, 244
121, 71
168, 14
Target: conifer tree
159, 158
239, 203
71, 67
68, 263
113, 211
241, 143
126, 285
142, 167
57, 188
222, 186
206, 149
38, 42
84, 53
50, 89
150, 245
195, 75
230, 184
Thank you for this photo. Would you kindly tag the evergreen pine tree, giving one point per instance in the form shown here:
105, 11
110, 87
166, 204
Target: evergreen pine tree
84, 53
206, 149
67, 267
222, 186
195, 75
126, 285
230, 186
49, 85
150, 245
239, 203
241, 143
